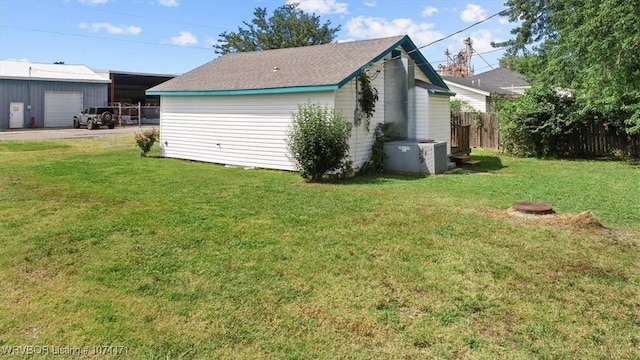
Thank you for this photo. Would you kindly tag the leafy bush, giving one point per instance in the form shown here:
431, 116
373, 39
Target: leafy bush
537, 123
145, 140
318, 141
383, 133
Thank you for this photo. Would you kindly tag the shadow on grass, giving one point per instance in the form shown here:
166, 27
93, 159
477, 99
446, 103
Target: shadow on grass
633, 162
379, 178
488, 163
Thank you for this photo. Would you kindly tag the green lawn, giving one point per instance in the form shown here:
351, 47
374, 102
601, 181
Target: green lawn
179, 259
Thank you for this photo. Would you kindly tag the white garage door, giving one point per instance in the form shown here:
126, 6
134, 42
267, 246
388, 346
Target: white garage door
60, 106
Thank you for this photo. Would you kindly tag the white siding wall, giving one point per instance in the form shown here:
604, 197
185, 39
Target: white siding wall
244, 130
361, 140
477, 101
439, 119
421, 76
421, 113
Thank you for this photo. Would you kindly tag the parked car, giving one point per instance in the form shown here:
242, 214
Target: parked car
94, 117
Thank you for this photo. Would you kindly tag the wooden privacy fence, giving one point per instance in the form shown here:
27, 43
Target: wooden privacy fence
483, 129
595, 140
590, 140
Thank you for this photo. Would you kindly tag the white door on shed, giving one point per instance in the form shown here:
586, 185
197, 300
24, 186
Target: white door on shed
16, 115
60, 106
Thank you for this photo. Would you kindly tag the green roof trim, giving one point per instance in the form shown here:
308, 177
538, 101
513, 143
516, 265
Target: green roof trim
421, 61
414, 53
364, 67
285, 90
440, 92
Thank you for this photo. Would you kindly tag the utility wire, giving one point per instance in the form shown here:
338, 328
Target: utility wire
459, 31
105, 38
490, 66
485, 61
210, 48
161, 20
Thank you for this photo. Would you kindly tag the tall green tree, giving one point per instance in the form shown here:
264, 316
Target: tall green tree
588, 47
287, 27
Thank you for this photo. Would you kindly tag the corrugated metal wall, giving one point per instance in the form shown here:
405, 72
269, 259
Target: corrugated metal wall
32, 93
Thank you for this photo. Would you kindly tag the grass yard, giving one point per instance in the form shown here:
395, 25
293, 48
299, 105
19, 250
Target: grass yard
177, 259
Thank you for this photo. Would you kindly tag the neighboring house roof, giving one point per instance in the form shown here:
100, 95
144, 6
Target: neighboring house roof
20, 70
499, 81
308, 68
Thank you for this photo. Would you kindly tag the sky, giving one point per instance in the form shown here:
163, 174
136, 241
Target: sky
176, 36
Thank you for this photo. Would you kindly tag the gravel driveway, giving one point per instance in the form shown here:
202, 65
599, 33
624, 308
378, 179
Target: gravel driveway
65, 133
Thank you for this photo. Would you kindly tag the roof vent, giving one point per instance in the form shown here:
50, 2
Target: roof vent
275, 68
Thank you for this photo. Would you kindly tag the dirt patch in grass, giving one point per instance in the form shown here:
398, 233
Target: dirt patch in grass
584, 222
584, 219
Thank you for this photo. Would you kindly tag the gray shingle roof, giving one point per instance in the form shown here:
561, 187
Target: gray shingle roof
309, 66
496, 81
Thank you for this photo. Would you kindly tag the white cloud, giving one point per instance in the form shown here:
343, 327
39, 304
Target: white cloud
322, 6
370, 3
168, 3
94, 2
429, 11
368, 27
473, 13
111, 29
503, 20
184, 38
19, 60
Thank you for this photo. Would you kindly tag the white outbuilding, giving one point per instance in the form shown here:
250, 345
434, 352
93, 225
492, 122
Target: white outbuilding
237, 109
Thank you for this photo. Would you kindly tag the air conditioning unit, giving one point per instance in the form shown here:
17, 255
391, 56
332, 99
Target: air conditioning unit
422, 157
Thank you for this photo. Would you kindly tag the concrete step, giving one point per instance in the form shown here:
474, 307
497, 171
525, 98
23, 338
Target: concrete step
460, 158
471, 163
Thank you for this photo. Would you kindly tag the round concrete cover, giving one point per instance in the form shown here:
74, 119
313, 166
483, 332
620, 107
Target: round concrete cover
532, 208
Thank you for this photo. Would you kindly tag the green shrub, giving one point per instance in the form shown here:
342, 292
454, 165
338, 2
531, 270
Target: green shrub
145, 140
318, 141
537, 123
383, 133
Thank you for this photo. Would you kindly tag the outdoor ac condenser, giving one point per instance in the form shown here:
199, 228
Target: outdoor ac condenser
423, 157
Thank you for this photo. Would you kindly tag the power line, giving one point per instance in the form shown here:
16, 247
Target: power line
484, 60
490, 66
105, 38
482, 53
162, 20
459, 31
